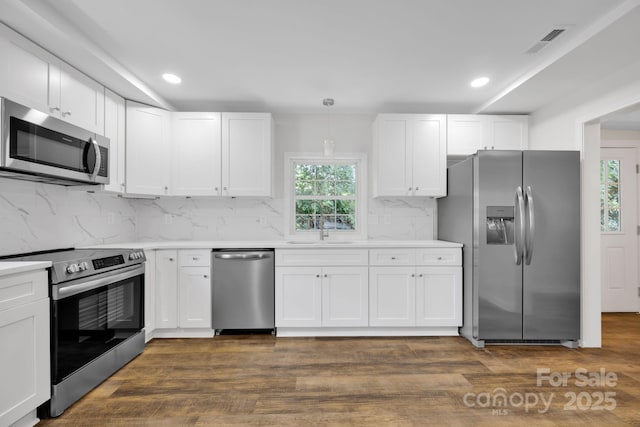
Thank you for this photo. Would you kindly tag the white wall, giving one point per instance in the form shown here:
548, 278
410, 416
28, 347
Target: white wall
560, 126
35, 216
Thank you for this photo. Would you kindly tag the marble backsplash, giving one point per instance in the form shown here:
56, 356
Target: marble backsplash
36, 216
251, 219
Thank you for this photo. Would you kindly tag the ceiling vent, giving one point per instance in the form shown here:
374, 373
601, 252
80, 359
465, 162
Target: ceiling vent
544, 41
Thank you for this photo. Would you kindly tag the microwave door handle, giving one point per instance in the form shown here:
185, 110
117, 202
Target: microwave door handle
96, 168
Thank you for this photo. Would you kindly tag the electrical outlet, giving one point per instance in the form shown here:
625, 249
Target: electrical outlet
387, 219
263, 221
168, 218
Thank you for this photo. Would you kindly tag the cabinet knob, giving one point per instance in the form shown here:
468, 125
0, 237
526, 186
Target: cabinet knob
417, 188
420, 275
413, 275
325, 275
205, 276
166, 187
66, 113
393, 258
225, 188
317, 275
409, 188
439, 258
52, 109
215, 188
195, 258
170, 259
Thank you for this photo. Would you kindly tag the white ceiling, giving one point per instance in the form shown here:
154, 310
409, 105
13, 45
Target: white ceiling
370, 55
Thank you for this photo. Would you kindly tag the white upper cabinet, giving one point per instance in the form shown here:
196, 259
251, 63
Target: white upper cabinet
33, 77
409, 155
148, 149
247, 154
196, 154
468, 133
114, 129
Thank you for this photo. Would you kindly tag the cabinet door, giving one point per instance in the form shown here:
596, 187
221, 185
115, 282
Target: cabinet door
114, 128
196, 154
24, 76
508, 132
439, 296
166, 289
345, 296
24, 360
298, 296
429, 155
391, 134
81, 100
195, 297
147, 168
392, 296
246, 154
466, 133
150, 293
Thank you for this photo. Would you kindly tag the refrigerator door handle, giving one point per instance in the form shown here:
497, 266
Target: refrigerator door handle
518, 244
531, 226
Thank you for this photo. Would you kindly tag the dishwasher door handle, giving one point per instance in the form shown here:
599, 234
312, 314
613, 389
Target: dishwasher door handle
244, 256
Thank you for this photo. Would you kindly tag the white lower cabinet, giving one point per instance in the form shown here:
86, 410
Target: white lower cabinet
24, 334
438, 296
314, 288
426, 293
321, 296
392, 296
149, 294
395, 291
183, 293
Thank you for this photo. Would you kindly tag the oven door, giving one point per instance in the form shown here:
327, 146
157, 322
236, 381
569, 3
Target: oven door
91, 317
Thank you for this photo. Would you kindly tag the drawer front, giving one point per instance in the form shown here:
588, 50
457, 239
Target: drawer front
321, 257
392, 257
22, 288
439, 256
195, 258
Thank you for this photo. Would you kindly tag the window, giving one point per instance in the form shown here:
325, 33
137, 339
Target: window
610, 196
325, 193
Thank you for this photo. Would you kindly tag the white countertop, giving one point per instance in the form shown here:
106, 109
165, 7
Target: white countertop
12, 267
281, 244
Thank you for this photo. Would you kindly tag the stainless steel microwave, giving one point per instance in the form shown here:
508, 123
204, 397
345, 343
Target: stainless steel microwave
38, 147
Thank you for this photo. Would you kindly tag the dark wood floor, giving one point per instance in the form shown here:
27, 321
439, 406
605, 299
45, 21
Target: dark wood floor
261, 380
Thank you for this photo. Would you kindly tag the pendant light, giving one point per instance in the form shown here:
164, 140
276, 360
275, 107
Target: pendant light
328, 142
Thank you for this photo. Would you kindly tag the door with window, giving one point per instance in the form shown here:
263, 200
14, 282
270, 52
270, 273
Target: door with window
618, 228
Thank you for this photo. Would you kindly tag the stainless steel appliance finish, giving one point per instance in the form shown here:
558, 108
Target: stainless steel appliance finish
518, 216
243, 289
97, 318
37, 147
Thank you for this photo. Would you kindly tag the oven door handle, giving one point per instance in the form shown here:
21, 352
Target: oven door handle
67, 291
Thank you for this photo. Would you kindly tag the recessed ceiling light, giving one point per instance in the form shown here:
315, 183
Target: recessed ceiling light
479, 82
171, 78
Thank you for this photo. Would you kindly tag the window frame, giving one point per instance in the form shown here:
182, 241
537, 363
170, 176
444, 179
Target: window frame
360, 162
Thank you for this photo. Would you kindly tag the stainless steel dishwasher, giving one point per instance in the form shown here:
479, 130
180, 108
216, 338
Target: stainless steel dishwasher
243, 289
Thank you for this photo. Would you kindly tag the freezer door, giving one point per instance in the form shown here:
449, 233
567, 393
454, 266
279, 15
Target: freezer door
551, 275
497, 275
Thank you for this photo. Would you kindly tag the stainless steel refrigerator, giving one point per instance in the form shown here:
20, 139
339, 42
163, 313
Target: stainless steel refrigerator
517, 214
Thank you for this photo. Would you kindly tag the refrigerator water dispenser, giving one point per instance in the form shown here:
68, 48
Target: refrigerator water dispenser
500, 225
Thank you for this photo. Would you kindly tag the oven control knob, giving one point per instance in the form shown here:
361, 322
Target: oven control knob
134, 255
83, 266
73, 268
